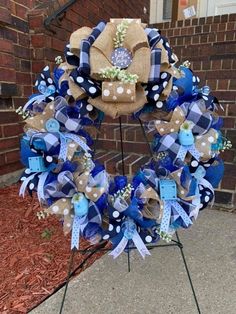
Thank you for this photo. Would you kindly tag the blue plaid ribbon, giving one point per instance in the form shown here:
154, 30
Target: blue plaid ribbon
153, 36
84, 67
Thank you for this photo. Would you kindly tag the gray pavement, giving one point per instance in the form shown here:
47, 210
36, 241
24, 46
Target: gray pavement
159, 284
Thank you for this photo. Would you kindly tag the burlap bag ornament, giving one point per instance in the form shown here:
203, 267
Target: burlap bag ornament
135, 40
118, 92
116, 109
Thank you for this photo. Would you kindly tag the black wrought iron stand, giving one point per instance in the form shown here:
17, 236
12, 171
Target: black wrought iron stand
101, 247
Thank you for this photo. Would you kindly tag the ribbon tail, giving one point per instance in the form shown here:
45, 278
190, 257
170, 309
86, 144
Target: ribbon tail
40, 189
165, 222
75, 233
119, 248
182, 153
140, 245
24, 185
194, 152
63, 148
182, 213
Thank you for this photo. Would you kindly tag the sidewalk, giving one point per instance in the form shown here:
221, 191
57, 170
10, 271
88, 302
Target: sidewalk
159, 285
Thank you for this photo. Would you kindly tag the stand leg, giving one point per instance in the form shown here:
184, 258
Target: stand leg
188, 273
123, 172
68, 279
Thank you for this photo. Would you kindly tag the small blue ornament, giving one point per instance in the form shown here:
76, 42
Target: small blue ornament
168, 190
36, 164
121, 58
52, 125
81, 204
128, 228
186, 137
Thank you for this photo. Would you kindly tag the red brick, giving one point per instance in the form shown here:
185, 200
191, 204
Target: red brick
2, 159
6, 45
7, 75
22, 52
27, 90
23, 78
21, 11
58, 44
222, 197
231, 26
216, 64
38, 40
232, 110
222, 85
5, 16
229, 123
23, 39
7, 60
12, 156
12, 129
36, 21
232, 84
222, 27
9, 143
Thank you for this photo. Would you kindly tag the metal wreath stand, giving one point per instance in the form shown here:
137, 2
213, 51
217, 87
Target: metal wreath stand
100, 247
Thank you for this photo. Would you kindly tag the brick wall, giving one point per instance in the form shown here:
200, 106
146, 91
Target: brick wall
26, 47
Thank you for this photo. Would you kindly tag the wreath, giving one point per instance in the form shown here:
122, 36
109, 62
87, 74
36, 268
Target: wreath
121, 67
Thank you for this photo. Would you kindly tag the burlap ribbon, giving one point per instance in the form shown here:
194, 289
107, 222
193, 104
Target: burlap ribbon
177, 119
76, 38
91, 192
38, 121
203, 143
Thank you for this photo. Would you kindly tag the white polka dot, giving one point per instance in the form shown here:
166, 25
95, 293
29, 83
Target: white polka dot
203, 144
207, 165
72, 145
118, 229
79, 79
31, 186
69, 92
182, 192
92, 90
51, 107
200, 206
159, 104
179, 174
194, 163
156, 97
205, 98
66, 211
63, 200
177, 122
111, 227
36, 83
194, 79
106, 92
27, 171
68, 225
207, 198
148, 239
198, 79
132, 97
120, 90
50, 81
42, 75
128, 91
88, 189
115, 214
155, 87
175, 87
172, 130
46, 68
41, 121
162, 130
146, 92
95, 195
55, 208
165, 84
110, 84
106, 236
163, 75
91, 82
114, 97
49, 158
211, 139
89, 107
80, 182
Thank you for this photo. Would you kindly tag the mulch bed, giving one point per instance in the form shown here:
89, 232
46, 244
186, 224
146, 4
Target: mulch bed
34, 253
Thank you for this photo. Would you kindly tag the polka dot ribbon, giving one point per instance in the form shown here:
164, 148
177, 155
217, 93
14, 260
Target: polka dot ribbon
79, 224
165, 222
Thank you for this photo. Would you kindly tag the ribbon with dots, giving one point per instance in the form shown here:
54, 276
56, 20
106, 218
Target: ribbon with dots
79, 224
170, 205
